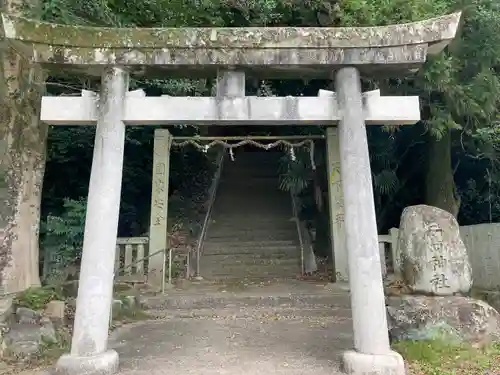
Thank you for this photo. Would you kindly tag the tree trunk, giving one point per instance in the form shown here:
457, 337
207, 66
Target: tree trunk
22, 166
440, 189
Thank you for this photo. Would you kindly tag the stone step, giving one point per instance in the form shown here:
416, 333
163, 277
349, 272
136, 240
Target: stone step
251, 216
254, 178
248, 240
240, 162
258, 244
263, 253
255, 193
268, 206
238, 227
250, 176
337, 300
246, 270
251, 193
232, 239
280, 312
220, 276
254, 229
283, 216
272, 204
242, 185
250, 245
251, 259
262, 168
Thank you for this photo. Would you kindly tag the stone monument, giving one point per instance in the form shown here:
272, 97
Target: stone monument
433, 256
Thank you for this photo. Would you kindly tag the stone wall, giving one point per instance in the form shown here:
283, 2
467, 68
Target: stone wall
483, 246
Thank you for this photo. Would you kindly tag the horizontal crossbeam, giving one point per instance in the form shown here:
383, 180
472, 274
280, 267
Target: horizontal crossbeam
250, 110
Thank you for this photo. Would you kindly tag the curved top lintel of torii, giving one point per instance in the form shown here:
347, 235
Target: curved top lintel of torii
306, 52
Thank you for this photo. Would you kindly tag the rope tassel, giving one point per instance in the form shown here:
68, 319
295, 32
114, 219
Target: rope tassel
311, 155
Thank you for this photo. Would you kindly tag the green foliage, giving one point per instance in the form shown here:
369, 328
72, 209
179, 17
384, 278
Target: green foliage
459, 90
295, 175
437, 357
62, 239
37, 298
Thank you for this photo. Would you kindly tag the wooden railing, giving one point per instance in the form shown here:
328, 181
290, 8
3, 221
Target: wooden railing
193, 261
390, 242
132, 257
132, 254
307, 258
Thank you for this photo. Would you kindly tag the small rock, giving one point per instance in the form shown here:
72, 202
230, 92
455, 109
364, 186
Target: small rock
55, 310
24, 339
453, 318
47, 330
27, 316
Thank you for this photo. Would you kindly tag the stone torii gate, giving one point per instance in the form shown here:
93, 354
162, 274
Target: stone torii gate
339, 53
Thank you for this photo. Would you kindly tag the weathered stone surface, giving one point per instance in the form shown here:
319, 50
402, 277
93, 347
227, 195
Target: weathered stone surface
27, 316
24, 339
493, 298
433, 255
427, 31
6, 318
203, 50
6, 310
458, 319
55, 310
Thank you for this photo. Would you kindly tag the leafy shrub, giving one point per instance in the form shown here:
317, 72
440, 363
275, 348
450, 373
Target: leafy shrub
37, 298
62, 239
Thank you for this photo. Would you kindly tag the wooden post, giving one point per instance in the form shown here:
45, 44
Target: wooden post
159, 204
396, 257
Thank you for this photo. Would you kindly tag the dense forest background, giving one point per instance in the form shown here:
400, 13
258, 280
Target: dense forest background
448, 160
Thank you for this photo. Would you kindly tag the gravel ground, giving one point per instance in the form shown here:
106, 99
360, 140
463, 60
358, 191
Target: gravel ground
263, 329
225, 344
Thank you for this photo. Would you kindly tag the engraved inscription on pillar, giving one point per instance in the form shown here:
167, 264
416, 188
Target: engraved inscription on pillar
336, 187
159, 187
438, 261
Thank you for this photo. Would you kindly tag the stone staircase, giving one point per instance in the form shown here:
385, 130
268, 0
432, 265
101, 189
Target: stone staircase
251, 233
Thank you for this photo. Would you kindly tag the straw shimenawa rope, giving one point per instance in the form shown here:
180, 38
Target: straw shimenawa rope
266, 146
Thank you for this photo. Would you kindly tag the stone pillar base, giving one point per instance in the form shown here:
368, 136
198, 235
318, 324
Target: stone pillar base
101, 364
355, 363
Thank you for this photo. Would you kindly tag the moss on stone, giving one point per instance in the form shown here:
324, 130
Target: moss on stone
428, 31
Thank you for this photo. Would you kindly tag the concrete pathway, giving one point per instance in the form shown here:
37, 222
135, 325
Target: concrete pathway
297, 328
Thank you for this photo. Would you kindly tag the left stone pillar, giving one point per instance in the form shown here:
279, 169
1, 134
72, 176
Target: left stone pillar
89, 352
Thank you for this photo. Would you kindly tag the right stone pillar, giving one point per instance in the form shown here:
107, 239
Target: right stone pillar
372, 353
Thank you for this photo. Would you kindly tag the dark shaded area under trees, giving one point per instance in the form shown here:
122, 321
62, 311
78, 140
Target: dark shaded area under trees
448, 159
